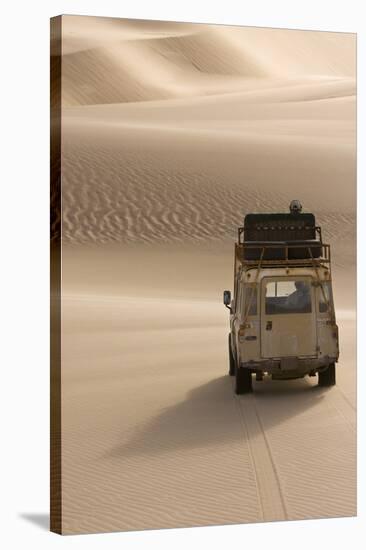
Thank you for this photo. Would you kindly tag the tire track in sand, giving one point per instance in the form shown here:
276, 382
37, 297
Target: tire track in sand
311, 440
270, 495
340, 402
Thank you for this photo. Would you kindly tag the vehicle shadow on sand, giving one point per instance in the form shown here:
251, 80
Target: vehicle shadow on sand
209, 415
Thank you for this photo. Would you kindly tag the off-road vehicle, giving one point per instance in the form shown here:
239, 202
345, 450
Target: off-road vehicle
282, 318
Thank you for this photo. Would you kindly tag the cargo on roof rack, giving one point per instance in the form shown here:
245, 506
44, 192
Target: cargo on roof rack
279, 227
284, 236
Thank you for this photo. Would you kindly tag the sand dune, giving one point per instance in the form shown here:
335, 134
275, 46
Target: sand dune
210, 169
170, 134
111, 61
297, 53
152, 68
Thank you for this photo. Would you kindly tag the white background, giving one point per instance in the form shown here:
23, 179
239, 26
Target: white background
24, 286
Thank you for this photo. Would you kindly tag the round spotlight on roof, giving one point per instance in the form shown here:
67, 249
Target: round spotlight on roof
295, 207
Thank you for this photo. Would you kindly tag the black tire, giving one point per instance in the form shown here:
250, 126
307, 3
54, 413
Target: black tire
243, 381
231, 360
327, 377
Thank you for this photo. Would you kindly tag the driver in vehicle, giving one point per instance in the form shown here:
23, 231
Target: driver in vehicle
300, 299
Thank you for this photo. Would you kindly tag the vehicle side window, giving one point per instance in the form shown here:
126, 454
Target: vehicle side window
250, 300
236, 294
239, 298
325, 297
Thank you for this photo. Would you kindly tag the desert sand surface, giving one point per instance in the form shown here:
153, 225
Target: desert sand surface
170, 134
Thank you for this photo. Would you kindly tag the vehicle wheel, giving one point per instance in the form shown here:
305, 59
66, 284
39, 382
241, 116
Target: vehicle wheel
327, 377
243, 381
231, 360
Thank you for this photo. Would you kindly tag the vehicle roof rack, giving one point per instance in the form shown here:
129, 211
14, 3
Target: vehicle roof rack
285, 253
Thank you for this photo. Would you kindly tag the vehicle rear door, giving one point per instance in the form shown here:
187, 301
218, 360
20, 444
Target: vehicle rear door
288, 317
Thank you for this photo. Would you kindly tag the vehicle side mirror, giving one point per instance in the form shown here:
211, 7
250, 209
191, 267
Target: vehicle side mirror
227, 299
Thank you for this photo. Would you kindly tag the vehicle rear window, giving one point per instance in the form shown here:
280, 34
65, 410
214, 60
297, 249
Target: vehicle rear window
289, 296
